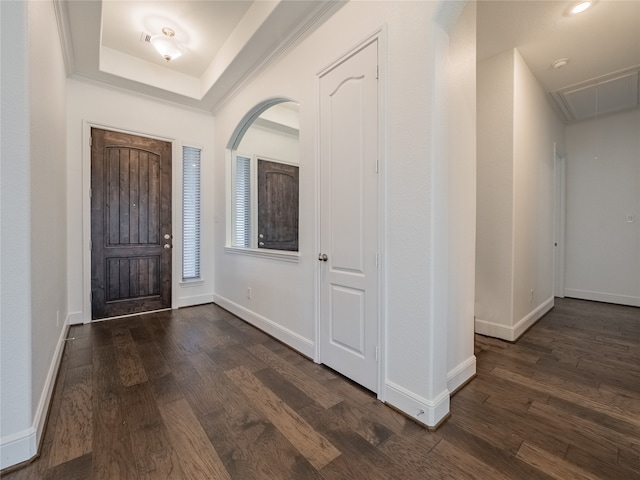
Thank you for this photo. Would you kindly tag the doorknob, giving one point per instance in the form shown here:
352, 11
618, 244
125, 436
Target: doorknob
167, 246
323, 257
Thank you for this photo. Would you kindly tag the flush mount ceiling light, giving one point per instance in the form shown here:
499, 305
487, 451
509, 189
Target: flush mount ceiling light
166, 44
581, 7
560, 63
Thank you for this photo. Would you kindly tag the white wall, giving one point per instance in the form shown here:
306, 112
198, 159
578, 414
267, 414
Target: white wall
48, 98
91, 104
284, 294
494, 229
602, 248
270, 144
537, 128
517, 130
15, 239
461, 188
34, 309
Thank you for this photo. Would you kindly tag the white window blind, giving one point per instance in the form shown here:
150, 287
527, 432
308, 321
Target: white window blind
190, 213
242, 227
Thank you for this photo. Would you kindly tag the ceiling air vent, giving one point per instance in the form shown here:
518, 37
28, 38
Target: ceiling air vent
145, 37
611, 93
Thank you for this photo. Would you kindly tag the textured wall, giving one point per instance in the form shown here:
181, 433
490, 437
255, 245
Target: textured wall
517, 130
602, 248
15, 240
494, 254
48, 103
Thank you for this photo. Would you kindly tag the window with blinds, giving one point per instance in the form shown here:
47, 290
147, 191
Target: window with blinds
242, 218
190, 213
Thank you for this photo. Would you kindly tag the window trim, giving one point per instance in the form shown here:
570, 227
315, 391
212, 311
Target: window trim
252, 250
282, 255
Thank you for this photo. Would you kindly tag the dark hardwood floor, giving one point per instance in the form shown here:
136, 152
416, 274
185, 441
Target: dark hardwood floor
198, 394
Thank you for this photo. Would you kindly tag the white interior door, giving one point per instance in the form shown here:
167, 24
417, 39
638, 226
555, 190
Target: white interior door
349, 217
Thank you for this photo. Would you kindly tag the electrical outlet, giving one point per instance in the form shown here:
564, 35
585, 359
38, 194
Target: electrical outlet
249, 293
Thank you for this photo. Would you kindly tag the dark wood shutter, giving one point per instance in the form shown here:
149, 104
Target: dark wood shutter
277, 205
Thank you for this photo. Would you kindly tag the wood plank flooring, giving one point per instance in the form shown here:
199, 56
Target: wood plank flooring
198, 394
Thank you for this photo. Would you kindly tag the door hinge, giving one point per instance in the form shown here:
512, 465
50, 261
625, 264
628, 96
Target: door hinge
90, 141
377, 260
377, 353
377, 166
90, 244
90, 193
377, 72
90, 297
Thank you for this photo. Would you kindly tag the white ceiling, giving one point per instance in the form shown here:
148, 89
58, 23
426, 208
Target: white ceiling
598, 43
201, 26
227, 41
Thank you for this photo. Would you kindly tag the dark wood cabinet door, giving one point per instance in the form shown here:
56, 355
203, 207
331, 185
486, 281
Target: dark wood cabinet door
277, 205
130, 218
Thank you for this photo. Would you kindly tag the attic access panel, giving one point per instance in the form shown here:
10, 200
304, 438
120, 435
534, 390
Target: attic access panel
604, 95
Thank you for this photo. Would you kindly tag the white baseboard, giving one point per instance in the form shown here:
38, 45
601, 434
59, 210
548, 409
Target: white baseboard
52, 374
193, 300
76, 318
22, 446
461, 374
18, 447
425, 411
292, 339
603, 297
512, 332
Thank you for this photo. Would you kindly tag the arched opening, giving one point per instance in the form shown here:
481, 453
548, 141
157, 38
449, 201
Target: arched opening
265, 163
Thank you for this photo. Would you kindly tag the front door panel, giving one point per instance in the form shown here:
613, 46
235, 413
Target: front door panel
130, 218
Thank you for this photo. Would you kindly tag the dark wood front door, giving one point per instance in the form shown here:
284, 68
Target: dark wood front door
130, 224
277, 205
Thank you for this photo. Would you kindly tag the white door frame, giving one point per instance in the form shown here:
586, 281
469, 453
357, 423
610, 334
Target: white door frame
559, 209
380, 36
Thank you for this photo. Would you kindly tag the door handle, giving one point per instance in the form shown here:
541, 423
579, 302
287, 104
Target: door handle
323, 257
167, 246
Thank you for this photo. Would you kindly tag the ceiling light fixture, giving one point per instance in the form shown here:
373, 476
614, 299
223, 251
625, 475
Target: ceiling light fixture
166, 44
581, 7
560, 63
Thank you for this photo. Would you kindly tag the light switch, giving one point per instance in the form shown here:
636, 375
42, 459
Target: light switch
631, 218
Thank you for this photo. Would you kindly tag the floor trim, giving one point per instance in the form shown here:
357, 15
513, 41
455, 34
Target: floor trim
512, 332
24, 446
460, 375
290, 338
602, 297
425, 411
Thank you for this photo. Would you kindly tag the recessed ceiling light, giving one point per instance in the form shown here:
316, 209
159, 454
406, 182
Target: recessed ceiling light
581, 7
560, 63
